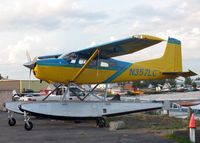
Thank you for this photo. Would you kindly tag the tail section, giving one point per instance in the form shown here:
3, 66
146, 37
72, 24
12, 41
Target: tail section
171, 61
170, 64
167, 66
172, 58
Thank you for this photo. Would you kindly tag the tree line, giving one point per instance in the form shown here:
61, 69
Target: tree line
172, 82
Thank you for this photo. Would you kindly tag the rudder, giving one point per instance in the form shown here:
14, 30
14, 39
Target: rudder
172, 57
171, 61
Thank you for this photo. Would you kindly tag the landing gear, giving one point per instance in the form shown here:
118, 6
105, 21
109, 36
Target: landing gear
11, 119
28, 124
101, 122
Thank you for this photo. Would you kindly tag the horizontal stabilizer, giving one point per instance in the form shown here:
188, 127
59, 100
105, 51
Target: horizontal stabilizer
183, 74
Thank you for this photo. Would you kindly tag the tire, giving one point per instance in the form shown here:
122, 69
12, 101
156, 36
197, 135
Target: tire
11, 122
28, 126
101, 122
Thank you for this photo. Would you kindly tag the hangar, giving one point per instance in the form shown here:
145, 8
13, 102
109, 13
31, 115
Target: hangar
22, 85
7, 86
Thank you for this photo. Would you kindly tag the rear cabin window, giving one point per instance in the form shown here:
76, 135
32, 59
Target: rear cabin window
104, 64
73, 61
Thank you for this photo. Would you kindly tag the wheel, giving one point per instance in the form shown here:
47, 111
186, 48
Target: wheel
28, 126
11, 121
101, 122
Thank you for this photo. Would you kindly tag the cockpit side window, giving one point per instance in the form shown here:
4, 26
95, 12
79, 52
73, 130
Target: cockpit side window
81, 61
70, 58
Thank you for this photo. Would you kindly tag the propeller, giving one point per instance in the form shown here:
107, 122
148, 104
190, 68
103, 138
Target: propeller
30, 64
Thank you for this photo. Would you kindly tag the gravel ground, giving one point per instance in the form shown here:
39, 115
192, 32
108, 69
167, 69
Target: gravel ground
53, 131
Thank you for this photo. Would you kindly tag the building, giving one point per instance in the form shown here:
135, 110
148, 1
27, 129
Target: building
198, 83
7, 86
22, 85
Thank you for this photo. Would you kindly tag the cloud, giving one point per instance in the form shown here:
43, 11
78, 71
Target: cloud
15, 53
156, 19
44, 15
49, 27
196, 31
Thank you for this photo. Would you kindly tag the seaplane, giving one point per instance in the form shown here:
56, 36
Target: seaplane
96, 65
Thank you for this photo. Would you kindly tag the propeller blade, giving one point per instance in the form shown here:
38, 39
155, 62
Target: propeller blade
29, 83
30, 74
28, 56
31, 64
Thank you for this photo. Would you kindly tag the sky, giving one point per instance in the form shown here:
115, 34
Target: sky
46, 27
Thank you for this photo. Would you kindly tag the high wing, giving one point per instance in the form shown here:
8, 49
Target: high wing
121, 47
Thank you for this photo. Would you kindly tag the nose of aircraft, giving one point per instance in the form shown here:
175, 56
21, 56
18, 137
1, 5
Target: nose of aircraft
30, 64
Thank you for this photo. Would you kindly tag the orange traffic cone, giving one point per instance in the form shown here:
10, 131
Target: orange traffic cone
192, 127
192, 122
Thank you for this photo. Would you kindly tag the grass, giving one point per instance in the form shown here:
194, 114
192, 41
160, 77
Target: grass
161, 124
155, 122
177, 138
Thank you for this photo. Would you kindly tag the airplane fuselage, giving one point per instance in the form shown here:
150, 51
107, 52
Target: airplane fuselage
108, 70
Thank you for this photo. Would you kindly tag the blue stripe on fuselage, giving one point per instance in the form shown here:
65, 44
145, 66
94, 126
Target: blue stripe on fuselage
113, 64
118, 73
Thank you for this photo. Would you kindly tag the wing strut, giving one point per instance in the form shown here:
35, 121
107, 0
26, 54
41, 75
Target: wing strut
85, 65
80, 72
90, 92
52, 92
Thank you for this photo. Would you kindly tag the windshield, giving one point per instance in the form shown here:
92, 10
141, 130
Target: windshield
62, 56
68, 56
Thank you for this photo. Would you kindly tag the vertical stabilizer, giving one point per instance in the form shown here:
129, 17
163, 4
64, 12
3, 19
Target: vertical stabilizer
172, 57
171, 61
